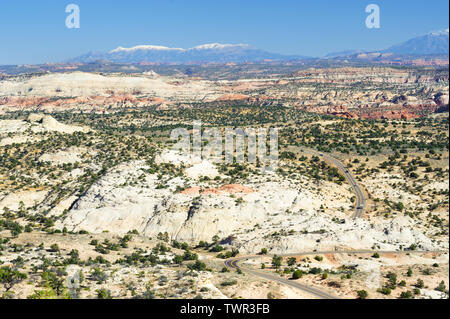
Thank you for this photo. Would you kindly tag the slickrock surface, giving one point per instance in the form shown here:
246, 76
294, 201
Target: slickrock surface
267, 205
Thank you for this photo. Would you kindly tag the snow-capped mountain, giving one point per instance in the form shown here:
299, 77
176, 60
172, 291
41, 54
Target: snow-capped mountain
212, 52
430, 43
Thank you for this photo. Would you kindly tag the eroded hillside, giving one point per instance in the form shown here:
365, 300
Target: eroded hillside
364, 92
102, 196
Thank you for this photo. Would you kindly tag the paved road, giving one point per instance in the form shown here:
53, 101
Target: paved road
360, 202
359, 210
235, 264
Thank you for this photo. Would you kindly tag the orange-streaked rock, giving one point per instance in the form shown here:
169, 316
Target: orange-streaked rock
233, 97
236, 188
191, 191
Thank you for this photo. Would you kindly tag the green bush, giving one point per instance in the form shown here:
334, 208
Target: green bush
228, 283
318, 258
362, 294
103, 294
385, 290
9, 277
198, 265
441, 287
406, 295
297, 274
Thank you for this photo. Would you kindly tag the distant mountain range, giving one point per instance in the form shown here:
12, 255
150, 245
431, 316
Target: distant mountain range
433, 43
429, 44
213, 52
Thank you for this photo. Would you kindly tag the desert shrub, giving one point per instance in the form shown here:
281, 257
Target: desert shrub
216, 248
103, 294
318, 258
420, 284
198, 265
315, 271
362, 294
189, 255
98, 275
9, 277
441, 287
291, 261
297, 274
276, 261
406, 295
228, 283
385, 290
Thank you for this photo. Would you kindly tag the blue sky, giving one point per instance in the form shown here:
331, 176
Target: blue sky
34, 31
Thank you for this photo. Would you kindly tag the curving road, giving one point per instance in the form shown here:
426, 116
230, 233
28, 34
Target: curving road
359, 211
234, 264
360, 199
